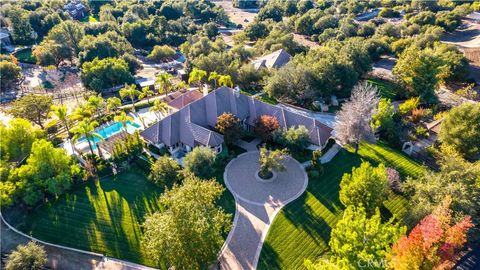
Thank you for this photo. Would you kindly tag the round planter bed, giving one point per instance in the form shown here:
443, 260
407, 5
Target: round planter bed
268, 180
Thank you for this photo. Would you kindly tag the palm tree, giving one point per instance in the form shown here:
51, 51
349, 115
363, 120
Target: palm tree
159, 107
96, 104
131, 92
214, 76
113, 103
181, 85
225, 80
146, 92
163, 80
123, 118
81, 112
196, 76
61, 113
86, 128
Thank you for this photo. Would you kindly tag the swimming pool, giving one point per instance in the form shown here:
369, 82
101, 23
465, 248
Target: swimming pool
109, 131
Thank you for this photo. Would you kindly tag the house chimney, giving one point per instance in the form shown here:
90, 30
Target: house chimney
205, 90
236, 91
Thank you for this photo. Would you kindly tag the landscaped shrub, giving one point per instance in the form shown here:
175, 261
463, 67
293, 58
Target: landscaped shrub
126, 149
265, 125
229, 125
30, 256
165, 171
421, 131
199, 161
417, 115
294, 138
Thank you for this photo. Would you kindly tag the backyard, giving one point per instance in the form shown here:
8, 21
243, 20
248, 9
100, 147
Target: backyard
103, 216
302, 229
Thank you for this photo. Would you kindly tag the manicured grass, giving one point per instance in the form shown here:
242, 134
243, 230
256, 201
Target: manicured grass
387, 89
25, 56
302, 229
102, 216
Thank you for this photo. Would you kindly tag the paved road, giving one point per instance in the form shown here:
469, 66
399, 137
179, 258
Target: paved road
257, 204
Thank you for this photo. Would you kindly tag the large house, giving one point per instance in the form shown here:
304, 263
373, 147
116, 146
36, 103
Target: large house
76, 9
193, 125
277, 59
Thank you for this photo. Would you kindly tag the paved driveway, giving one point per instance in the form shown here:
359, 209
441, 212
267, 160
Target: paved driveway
257, 203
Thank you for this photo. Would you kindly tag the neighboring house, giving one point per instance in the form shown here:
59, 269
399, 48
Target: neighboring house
193, 125
6, 41
434, 129
276, 59
76, 9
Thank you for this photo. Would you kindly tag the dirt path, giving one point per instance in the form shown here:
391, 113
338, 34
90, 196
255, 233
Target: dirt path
257, 204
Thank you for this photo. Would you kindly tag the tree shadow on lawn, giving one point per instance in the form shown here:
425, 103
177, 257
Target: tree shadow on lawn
371, 153
301, 215
269, 258
129, 197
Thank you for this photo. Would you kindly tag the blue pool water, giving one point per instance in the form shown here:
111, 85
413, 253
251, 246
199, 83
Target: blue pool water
108, 131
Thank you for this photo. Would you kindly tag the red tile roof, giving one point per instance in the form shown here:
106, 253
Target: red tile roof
185, 99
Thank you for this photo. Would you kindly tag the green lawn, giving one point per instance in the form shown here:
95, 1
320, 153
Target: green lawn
387, 89
102, 216
302, 229
25, 56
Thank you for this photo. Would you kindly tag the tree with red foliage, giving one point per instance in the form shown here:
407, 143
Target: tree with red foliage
265, 125
229, 125
433, 243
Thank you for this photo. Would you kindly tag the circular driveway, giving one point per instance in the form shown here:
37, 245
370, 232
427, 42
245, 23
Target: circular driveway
240, 180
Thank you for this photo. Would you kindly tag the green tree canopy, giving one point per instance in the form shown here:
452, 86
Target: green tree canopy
48, 170
21, 27
189, 210
271, 160
105, 73
67, 35
161, 53
461, 130
10, 73
199, 161
17, 139
109, 44
32, 107
359, 240
165, 171
457, 179
294, 138
366, 186
420, 71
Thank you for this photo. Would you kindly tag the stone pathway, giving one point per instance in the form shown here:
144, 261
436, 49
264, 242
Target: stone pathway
257, 203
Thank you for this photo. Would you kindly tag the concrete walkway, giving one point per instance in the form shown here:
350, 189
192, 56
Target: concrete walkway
249, 146
329, 155
257, 203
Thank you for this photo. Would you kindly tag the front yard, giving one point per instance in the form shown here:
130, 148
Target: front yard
302, 229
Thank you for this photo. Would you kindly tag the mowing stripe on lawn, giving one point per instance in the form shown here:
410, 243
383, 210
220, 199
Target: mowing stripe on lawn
302, 228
